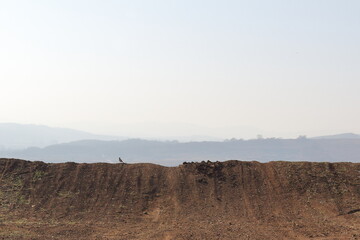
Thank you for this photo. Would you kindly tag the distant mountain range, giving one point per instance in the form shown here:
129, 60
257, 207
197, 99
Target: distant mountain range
19, 136
36, 142
172, 153
340, 136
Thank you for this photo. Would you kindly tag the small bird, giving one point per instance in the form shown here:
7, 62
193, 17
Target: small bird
120, 160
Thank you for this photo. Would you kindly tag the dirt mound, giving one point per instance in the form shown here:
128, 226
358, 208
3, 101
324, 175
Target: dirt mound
207, 200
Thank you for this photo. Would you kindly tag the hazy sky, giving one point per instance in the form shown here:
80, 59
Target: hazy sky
178, 68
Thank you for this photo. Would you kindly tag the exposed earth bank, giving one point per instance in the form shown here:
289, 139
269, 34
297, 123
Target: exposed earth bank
222, 200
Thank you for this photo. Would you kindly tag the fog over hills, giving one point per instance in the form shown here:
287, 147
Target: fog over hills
18, 136
172, 153
340, 136
36, 142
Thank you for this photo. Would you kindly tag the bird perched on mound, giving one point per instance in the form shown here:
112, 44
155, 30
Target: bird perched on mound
120, 160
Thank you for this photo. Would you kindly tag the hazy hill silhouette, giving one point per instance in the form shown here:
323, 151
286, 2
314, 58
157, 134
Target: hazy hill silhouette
340, 136
18, 136
172, 153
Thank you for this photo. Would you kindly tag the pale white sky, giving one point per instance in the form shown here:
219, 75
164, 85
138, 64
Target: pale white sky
179, 68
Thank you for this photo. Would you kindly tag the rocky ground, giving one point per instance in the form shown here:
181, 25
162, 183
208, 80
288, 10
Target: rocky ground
227, 200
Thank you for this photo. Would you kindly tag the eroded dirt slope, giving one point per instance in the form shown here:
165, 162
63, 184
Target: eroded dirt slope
227, 200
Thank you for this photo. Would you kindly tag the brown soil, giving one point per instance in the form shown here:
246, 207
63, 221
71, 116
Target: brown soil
227, 200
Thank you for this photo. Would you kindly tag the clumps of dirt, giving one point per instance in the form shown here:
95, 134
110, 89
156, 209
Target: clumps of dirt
210, 169
203, 200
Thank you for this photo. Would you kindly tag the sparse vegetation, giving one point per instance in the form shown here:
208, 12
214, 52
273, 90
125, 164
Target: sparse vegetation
38, 175
66, 194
